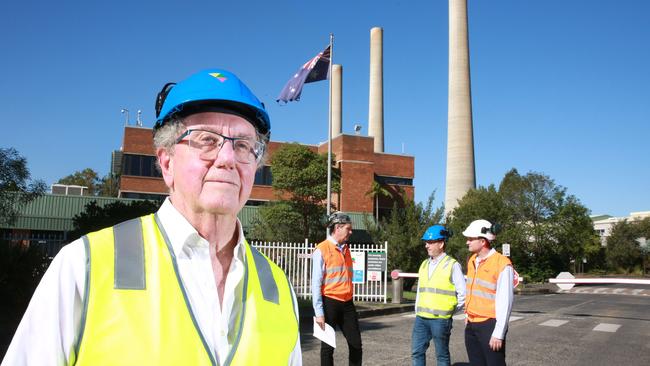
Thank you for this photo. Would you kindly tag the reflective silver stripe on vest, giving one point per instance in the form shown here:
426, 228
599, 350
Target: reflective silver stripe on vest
448, 261
335, 269
265, 276
434, 290
484, 294
338, 279
129, 256
338, 269
486, 284
436, 312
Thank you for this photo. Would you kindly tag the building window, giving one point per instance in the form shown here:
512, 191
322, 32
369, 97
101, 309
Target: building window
394, 180
263, 176
255, 203
144, 196
140, 166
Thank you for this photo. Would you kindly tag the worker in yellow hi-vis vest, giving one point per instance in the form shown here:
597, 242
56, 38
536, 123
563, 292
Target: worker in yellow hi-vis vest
441, 293
181, 286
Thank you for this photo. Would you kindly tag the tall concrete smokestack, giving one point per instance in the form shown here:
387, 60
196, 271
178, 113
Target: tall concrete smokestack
337, 100
460, 137
376, 100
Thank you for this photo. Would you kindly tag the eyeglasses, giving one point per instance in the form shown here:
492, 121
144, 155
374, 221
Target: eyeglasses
426, 242
209, 144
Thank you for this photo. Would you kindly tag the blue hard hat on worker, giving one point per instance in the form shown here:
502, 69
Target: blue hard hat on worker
436, 232
211, 90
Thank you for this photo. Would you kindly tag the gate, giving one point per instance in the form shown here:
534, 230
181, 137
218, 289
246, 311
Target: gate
295, 261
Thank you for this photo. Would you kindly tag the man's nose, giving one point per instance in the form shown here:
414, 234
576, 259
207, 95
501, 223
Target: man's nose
226, 154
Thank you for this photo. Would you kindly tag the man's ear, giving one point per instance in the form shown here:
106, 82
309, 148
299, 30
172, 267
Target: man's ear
166, 162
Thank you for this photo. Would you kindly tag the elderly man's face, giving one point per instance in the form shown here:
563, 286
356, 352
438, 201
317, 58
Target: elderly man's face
219, 186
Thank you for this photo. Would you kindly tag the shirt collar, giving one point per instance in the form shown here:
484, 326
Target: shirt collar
183, 236
492, 251
331, 239
437, 259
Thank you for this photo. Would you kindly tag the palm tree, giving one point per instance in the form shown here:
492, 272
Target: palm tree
376, 190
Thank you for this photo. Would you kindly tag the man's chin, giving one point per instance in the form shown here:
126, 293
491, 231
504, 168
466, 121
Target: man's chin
221, 208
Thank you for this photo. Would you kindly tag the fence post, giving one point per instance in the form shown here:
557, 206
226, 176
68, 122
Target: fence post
398, 285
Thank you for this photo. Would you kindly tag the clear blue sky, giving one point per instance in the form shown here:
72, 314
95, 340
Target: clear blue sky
559, 87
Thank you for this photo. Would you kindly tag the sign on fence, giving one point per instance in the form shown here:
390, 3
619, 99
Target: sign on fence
374, 275
377, 261
358, 267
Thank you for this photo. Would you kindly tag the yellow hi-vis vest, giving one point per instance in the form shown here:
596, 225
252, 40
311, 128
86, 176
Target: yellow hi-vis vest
436, 294
136, 310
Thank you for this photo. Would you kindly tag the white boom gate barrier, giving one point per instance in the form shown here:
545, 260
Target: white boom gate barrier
566, 281
295, 261
395, 274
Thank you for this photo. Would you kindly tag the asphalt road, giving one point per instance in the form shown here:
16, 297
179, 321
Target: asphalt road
588, 326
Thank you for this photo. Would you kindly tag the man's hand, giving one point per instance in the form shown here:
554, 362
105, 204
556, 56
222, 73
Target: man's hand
496, 344
320, 320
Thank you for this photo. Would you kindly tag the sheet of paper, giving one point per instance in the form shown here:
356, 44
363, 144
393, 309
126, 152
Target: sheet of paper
328, 336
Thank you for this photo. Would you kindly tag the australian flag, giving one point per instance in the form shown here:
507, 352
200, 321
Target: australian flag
316, 69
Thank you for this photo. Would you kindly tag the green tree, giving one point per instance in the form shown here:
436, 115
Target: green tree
16, 186
86, 178
95, 217
21, 265
109, 186
377, 190
272, 223
403, 230
483, 202
624, 252
300, 183
546, 228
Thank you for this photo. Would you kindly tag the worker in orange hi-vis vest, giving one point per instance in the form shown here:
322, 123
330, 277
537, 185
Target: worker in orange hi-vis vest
489, 296
332, 288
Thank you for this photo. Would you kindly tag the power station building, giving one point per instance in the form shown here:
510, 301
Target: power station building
355, 156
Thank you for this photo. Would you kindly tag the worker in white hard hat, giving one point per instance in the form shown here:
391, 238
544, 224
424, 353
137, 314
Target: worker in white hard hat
489, 296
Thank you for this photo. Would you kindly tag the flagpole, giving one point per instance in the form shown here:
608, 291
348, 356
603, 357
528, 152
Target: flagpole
329, 137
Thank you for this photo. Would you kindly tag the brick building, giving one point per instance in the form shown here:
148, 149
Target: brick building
355, 157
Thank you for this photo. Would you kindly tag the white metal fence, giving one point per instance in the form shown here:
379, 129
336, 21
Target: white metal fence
295, 260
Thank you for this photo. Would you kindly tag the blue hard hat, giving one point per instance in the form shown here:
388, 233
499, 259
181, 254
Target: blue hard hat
436, 232
213, 89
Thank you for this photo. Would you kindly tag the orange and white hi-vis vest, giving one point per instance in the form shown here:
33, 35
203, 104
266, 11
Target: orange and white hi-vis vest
482, 286
337, 283
136, 310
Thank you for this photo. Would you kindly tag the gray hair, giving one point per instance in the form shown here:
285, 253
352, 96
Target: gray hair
165, 138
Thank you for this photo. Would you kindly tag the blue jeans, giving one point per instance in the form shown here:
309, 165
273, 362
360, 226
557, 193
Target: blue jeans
423, 331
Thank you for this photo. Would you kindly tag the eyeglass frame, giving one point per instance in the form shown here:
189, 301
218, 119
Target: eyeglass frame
258, 155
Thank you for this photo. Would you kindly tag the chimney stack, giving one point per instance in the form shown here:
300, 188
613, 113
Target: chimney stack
460, 136
337, 100
376, 98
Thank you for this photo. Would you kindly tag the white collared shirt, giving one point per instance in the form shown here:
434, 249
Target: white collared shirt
48, 331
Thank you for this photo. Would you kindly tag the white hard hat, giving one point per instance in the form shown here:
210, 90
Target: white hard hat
480, 229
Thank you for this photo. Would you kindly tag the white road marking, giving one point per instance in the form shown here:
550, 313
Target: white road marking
554, 323
605, 327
